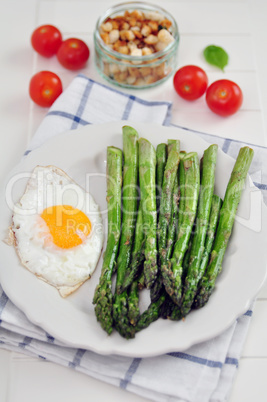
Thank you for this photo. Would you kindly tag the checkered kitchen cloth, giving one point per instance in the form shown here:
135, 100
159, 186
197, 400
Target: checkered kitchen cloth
202, 373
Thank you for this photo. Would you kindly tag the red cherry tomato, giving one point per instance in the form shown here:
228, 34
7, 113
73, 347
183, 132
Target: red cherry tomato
190, 82
46, 40
73, 54
44, 88
224, 97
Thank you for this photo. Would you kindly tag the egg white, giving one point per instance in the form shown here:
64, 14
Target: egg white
66, 269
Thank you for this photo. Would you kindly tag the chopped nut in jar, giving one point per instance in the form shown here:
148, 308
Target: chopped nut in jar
146, 30
106, 69
153, 15
107, 27
146, 51
121, 77
136, 52
165, 36
166, 24
130, 80
151, 40
114, 69
140, 82
127, 35
134, 72
125, 26
160, 46
105, 37
115, 24
145, 71
154, 26
113, 35
123, 49
159, 70
132, 46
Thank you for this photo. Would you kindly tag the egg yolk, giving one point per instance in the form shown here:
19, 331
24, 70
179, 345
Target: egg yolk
68, 226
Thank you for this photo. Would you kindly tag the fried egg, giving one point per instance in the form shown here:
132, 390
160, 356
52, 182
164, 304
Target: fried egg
57, 230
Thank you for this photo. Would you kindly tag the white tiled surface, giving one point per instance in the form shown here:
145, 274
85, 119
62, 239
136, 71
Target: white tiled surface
241, 29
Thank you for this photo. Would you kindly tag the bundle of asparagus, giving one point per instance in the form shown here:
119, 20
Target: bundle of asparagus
168, 232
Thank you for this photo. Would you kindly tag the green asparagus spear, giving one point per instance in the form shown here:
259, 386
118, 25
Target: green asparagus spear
225, 226
170, 174
213, 221
138, 255
173, 220
169, 310
167, 307
147, 173
141, 281
133, 303
156, 289
176, 314
172, 270
129, 204
150, 315
203, 212
181, 209
174, 144
103, 294
161, 159
165, 215
187, 257
173, 226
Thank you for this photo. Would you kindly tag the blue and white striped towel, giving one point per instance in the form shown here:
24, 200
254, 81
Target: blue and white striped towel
202, 373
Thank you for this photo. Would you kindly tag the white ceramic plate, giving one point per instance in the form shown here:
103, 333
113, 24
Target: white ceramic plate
72, 320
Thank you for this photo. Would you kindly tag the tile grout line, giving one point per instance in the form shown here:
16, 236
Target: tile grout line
224, 34
253, 357
201, 111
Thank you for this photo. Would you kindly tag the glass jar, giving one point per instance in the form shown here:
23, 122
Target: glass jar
140, 69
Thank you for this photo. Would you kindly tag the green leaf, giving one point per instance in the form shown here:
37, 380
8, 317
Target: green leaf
216, 56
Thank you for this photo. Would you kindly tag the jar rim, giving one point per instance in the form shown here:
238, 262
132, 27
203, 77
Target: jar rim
123, 7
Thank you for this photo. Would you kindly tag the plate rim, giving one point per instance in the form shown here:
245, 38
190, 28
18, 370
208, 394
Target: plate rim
30, 315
